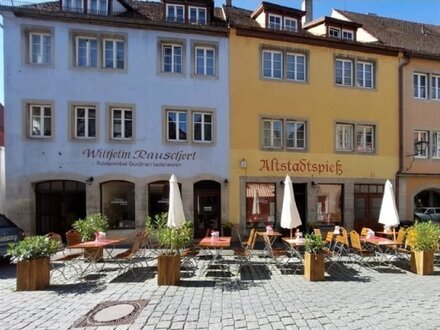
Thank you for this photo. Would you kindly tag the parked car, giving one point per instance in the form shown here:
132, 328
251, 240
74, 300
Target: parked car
9, 233
427, 213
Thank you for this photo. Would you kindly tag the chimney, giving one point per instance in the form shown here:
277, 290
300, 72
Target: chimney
228, 3
307, 6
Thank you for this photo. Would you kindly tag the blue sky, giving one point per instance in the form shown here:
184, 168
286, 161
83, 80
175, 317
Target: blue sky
425, 11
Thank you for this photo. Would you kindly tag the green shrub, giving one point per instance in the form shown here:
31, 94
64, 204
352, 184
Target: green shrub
90, 225
32, 247
423, 236
313, 243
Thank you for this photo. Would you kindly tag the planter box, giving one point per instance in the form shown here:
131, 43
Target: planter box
314, 267
168, 269
422, 262
33, 274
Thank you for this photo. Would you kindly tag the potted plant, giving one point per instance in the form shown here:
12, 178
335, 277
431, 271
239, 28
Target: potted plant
87, 228
314, 258
32, 256
171, 241
423, 239
227, 228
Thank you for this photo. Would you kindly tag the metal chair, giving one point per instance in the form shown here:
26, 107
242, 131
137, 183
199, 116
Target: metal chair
65, 260
128, 259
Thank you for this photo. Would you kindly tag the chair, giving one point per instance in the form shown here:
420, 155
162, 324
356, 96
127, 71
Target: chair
65, 258
364, 231
400, 250
342, 245
188, 257
329, 239
245, 252
129, 258
317, 232
280, 256
358, 250
72, 237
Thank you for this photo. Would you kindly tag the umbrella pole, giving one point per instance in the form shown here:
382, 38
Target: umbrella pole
394, 233
290, 233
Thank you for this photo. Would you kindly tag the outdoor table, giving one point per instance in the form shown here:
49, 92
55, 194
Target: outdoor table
295, 245
380, 246
214, 247
273, 235
94, 251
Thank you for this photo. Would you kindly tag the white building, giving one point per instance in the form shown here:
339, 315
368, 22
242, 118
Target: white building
104, 100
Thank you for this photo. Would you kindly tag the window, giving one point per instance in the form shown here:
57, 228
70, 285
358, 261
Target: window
296, 134
260, 204
272, 133
274, 22
118, 204
421, 136
205, 61
344, 137
202, 127
344, 72
40, 48
333, 32
330, 199
296, 67
86, 52
114, 54
420, 85
172, 58
97, 7
272, 64
347, 35
40, 121
290, 24
365, 141
85, 122
436, 145
73, 5
435, 87
364, 74
177, 126
175, 13
121, 124
197, 15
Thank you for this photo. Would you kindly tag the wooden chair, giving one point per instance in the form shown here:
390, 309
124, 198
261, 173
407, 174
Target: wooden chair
400, 249
245, 252
279, 256
341, 246
329, 240
128, 259
65, 259
364, 231
362, 254
317, 232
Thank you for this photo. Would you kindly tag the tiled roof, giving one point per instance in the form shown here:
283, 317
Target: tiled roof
240, 17
418, 38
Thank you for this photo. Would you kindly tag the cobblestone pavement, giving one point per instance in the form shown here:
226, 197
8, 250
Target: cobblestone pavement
258, 298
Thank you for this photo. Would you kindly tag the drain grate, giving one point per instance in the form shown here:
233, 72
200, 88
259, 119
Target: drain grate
110, 313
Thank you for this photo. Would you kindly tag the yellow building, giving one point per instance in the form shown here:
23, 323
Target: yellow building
312, 102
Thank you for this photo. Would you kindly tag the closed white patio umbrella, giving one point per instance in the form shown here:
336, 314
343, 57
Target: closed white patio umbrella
290, 217
388, 215
255, 203
176, 217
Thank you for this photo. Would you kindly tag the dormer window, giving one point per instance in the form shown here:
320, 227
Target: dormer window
97, 7
347, 35
73, 6
334, 32
275, 22
197, 15
290, 24
175, 13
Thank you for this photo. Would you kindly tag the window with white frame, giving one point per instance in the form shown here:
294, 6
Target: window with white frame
436, 145
97, 7
272, 133
73, 5
172, 58
272, 64
296, 67
334, 32
197, 15
290, 24
347, 35
418, 137
295, 134
121, 123
175, 13
177, 125
420, 81
40, 48
86, 52
344, 72
40, 121
274, 22
365, 74
435, 87
365, 138
205, 61
85, 122
114, 54
344, 137
202, 126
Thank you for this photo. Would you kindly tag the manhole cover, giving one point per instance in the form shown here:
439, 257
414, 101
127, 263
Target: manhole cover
112, 313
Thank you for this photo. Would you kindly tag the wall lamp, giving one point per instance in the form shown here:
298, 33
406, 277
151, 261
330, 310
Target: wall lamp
419, 148
90, 180
243, 163
226, 182
282, 183
314, 184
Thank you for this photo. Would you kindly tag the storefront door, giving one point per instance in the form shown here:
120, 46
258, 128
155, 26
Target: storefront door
207, 207
367, 202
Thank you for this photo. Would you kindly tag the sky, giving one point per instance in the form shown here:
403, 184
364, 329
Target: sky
424, 11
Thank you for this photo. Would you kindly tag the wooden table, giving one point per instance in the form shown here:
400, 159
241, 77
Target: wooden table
380, 246
273, 235
216, 245
295, 245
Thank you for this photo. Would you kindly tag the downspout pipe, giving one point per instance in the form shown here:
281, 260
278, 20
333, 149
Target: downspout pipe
405, 59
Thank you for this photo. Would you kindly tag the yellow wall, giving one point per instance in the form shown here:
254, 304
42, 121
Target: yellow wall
318, 102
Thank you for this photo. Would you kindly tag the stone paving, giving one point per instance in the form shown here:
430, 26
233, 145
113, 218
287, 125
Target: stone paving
258, 298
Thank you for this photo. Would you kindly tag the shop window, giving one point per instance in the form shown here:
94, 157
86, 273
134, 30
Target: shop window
158, 197
117, 203
330, 204
260, 204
